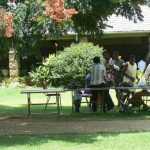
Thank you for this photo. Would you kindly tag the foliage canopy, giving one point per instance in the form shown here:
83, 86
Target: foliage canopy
93, 14
71, 65
31, 25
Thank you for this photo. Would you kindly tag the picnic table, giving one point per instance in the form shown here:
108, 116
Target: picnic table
47, 92
61, 90
143, 88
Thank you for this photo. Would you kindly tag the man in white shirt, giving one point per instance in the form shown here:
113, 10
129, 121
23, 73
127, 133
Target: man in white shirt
98, 73
130, 70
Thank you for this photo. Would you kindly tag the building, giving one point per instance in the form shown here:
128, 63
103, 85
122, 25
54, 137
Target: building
127, 36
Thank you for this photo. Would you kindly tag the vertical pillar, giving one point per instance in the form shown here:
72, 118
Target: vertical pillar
148, 53
13, 65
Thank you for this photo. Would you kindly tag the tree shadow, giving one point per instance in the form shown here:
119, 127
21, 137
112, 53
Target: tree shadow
40, 139
72, 138
67, 115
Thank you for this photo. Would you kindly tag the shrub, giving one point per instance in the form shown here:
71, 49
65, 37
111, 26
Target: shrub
71, 65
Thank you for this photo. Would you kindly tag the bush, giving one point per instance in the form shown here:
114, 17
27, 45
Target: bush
71, 65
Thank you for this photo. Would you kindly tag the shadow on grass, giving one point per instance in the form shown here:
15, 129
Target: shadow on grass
41, 139
7, 141
65, 141
67, 115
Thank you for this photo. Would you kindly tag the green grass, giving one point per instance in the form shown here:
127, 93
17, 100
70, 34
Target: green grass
12, 103
122, 141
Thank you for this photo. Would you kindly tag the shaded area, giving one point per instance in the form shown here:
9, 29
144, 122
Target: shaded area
32, 140
66, 113
73, 141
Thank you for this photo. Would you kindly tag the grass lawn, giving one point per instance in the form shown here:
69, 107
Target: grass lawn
122, 141
12, 103
15, 104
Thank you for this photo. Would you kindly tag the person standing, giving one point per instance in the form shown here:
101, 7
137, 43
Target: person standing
130, 70
87, 83
118, 66
77, 101
109, 62
109, 79
118, 72
147, 73
141, 65
98, 73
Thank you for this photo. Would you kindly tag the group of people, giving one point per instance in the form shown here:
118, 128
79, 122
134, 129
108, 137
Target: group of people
105, 75
113, 72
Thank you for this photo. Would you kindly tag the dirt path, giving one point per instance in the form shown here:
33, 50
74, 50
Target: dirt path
19, 126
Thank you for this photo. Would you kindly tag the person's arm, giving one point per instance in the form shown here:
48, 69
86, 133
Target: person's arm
147, 72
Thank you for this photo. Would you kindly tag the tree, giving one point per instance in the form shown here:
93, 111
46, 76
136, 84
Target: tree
24, 23
6, 22
93, 14
57, 11
37, 19
32, 22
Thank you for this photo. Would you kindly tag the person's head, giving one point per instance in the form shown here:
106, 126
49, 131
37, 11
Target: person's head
96, 60
132, 59
115, 55
120, 57
106, 54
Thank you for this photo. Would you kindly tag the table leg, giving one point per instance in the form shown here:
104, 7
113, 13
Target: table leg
57, 99
72, 94
29, 102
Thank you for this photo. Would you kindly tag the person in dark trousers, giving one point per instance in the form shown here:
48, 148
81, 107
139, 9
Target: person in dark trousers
98, 73
118, 66
109, 79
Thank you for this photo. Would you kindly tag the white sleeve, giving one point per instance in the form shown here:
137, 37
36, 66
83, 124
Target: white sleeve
147, 72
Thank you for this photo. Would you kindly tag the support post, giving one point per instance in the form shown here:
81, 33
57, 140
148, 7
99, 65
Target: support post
13, 65
148, 53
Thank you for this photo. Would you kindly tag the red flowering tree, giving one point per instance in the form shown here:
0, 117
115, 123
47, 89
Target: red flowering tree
6, 22
57, 11
30, 21
53, 8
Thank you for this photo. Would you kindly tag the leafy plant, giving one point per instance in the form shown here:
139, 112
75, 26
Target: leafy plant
71, 65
